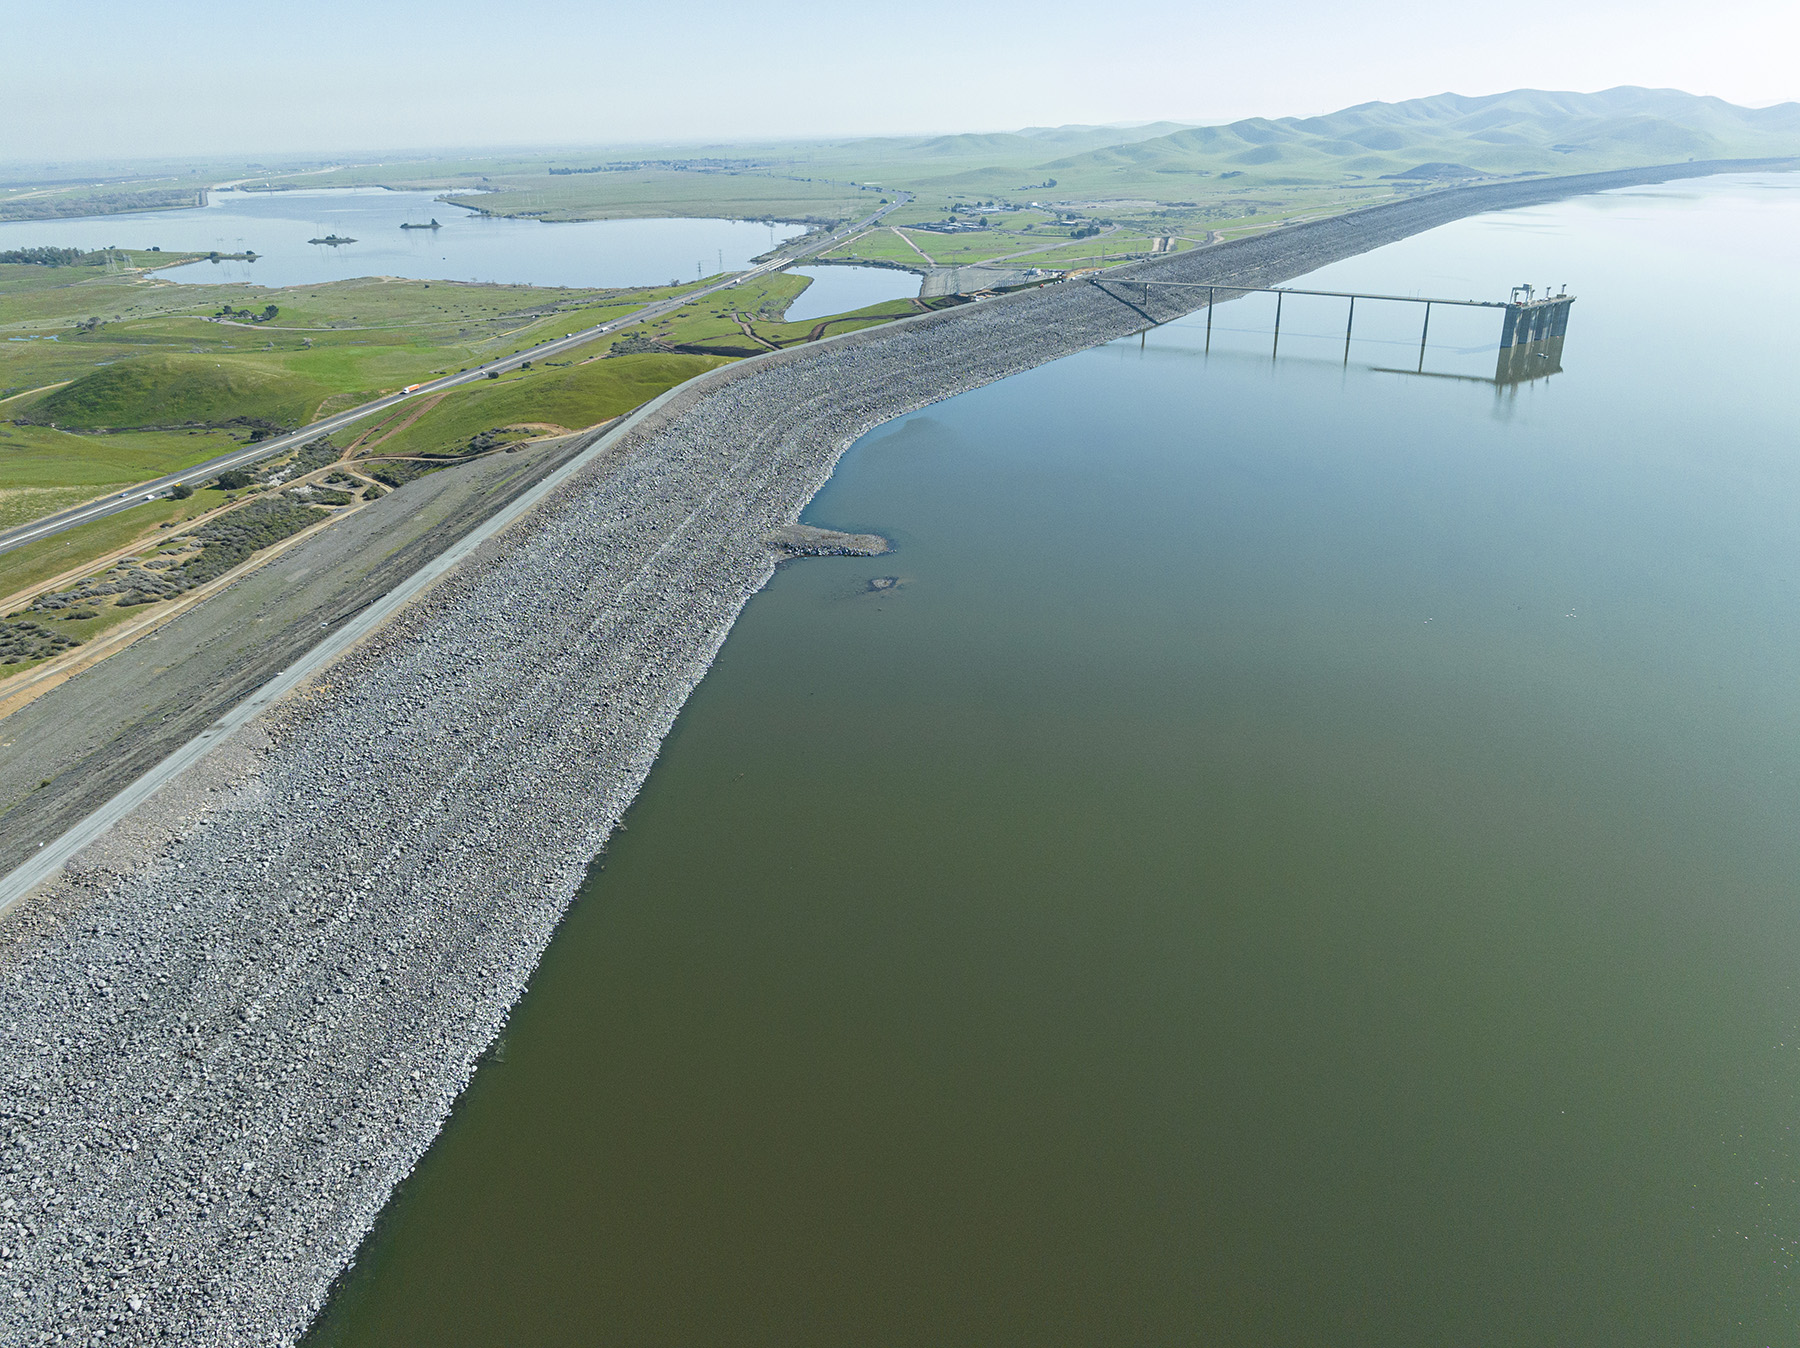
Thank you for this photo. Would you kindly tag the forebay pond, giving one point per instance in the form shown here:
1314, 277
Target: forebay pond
279, 226
1291, 847
839, 290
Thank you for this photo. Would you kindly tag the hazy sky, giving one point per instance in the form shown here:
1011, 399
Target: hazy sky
185, 77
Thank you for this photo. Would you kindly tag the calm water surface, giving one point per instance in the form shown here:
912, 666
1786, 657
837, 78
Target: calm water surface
1302, 855
838, 290
277, 225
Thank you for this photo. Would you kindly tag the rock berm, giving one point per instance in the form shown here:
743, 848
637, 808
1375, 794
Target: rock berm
235, 1024
807, 540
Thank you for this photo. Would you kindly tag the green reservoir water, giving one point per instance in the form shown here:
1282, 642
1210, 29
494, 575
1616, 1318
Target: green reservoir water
1303, 856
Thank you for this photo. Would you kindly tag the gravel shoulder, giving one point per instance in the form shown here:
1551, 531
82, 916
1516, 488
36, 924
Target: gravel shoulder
236, 1022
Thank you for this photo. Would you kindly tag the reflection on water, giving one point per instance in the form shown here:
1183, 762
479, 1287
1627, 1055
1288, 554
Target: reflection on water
1300, 856
1525, 361
277, 226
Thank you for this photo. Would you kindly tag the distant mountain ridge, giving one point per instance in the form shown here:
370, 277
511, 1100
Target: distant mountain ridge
1525, 130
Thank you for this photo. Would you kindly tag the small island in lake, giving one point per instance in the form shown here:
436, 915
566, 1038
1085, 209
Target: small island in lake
433, 225
333, 239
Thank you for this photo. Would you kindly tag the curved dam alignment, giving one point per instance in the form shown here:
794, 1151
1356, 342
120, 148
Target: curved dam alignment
238, 1020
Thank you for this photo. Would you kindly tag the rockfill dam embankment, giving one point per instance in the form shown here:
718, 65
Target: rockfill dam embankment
233, 1026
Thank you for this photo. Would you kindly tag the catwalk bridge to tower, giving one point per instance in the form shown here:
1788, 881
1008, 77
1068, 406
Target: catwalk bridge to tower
1531, 332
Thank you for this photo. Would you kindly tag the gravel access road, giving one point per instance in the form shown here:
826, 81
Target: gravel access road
236, 1022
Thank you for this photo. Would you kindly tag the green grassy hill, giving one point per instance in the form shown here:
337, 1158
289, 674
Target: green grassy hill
175, 390
575, 397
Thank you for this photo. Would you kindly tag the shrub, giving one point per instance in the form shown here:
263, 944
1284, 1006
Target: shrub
398, 474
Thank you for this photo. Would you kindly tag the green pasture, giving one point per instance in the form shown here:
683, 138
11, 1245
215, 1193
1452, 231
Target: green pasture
328, 346
573, 396
170, 388
747, 195
878, 245
37, 458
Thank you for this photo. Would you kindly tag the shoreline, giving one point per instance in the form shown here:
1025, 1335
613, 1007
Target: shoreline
241, 1017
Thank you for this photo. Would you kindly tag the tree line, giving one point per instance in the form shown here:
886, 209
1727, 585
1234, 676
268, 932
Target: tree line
44, 257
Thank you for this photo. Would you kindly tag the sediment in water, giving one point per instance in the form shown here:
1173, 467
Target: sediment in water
237, 1022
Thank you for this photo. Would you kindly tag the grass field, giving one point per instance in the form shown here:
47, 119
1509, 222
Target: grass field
21, 505
346, 337
746, 195
36, 458
1038, 238
569, 396
171, 388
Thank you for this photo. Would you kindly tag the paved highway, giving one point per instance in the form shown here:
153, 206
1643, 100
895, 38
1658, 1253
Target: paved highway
144, 491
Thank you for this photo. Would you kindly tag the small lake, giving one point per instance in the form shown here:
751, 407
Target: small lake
839, 290
277, 225
1291, 851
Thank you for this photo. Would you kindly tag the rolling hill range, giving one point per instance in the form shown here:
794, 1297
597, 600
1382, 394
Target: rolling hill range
1449, 135
1251, 172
